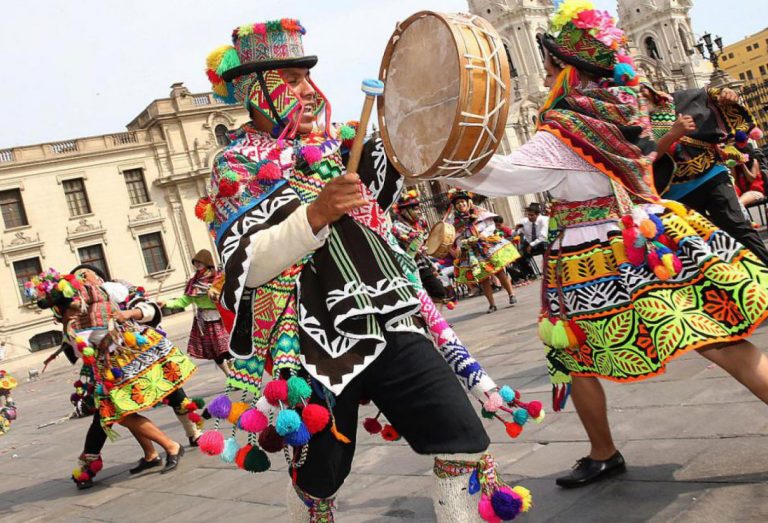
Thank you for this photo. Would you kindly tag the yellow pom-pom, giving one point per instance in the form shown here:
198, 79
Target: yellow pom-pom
235, 411
109, 376
525, 494
668, 261
62, 285
542, 414
214, 58
676, 207
129, 338
209, 215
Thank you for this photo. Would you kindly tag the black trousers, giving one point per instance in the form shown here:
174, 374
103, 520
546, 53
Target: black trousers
716, 199
526, 260
96, 438
420, 396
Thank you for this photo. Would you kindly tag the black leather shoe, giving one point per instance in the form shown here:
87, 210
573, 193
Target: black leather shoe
193, 441
84, 485
171, 462
588, 470
143, 465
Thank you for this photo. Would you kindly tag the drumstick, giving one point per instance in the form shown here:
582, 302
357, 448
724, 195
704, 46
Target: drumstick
372, 89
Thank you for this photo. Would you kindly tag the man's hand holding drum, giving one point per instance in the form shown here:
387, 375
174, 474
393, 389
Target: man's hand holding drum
340, 195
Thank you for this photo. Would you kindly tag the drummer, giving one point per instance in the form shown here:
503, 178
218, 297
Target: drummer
318, 288
479, 253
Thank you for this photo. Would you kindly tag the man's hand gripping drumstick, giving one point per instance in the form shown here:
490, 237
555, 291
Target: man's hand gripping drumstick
344, 193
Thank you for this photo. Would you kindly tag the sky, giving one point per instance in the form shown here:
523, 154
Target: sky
87, 67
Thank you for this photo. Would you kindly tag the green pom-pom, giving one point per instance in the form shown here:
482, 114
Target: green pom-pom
346, 132
230, 175
230, 60
200, 402
298, 390
88, 351
545, 331
559, 336
256, 460
731, 163
487, 414
274, 26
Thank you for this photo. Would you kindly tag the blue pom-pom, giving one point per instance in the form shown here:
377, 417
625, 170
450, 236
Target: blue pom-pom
474, 483
507, 394
117, 372
741, 137
299, 437
661, 250
220, 407
520, 416
287, 421
141, 340
99, 389
658, 223
623, 74
505, 505
230, 451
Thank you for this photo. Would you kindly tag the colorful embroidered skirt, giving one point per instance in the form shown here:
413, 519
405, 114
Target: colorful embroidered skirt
208, 340
484, 259
634, 322
149, 374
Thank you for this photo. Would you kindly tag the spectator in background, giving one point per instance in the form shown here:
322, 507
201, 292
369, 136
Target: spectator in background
535, 227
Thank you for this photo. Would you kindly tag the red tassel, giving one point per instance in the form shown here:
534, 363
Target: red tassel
581, 336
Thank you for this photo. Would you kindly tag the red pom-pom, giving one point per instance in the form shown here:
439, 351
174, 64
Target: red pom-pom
213, 77
194, 417
211, 442
534, 409
276, 391
451, 305
653, 260
270, 171
581, 336
388, 433
191, 406
241, 454
96, 466
311, 154
627, 221
513, 429
667, 242
78, 384
270, 440
315, 417
84, 476
253, 420
273, 154
372, 425
756, 133
228, 187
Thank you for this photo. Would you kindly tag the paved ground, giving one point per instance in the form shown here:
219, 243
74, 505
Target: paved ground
696, 442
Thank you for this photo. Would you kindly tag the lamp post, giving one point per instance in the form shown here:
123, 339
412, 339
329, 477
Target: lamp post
710, 49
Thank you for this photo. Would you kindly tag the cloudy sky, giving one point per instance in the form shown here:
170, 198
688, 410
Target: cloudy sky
84, 67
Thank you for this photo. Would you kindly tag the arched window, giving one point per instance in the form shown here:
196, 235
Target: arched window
512, 69
651, 49
684, 40
221, 134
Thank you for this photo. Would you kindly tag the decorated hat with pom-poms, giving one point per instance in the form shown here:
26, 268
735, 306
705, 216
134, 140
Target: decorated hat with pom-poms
258, 47
455, 195
589, 40
409, 198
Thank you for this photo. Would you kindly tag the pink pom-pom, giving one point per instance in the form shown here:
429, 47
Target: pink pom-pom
311, 154
756, 133
485, 509
276, 391
534, 409
677, 264
211, 443
625, 59
627, 221
494, 402
270, 171
273, 154
653, 259
252, 420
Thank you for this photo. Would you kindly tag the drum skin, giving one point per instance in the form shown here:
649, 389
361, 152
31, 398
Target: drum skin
440, 239
446, 88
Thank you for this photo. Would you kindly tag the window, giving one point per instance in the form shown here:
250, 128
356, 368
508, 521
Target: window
12, 209
730, 55
153, 250
221, 132
749, 75
137, 187
756, 45
741, 76
762, 70
25, 270
77, 199
45, 340
651, 49
749, 48
94, 255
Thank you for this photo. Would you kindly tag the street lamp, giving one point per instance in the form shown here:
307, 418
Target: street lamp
713, 56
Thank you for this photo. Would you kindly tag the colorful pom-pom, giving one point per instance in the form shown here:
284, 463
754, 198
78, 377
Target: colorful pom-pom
581, 336
229, 453
129, 338
372, 425
534, 409
507, 394
627, 221
229, 60
513, 429
756, 133
658, 223
264, 406
298, 437
346, 132
474, 483
485, 509
287, 421
194, 417
253, 420
276, 391
219, 407
648, 228
315, 417
451, 305
506, 503
270, 171
559, 336
624, 74
545, 330
95, 466
311, 154
494, 402
270, 440
525, 496
211, 442
256, 460
298, 390
388, 433
520, 416
661, 273
740, 137
241, 454
236, 411
227, 188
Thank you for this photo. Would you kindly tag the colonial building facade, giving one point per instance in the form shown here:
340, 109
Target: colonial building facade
123, 202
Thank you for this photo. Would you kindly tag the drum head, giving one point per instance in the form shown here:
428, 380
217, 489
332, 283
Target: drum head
440, 237
421, 94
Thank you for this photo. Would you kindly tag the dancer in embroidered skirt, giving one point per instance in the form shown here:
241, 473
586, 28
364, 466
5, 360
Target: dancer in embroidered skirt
628, 286
327, 300
208, 339
479, 253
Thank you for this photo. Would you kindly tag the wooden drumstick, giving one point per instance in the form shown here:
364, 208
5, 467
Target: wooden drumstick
372, 89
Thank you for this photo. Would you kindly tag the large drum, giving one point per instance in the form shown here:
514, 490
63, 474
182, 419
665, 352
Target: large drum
446, 90
440, 239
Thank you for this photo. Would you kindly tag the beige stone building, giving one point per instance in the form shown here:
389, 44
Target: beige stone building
123, 201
